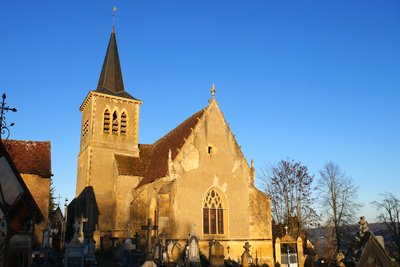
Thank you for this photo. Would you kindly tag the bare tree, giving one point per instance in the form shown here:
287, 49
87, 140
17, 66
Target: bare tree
389, 213
289, 186
337, 195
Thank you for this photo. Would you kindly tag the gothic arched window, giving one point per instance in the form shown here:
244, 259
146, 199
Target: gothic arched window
213, 213
115, 123
106, 122
123, 123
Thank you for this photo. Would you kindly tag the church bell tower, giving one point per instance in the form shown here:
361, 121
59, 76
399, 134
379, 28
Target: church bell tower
110, 126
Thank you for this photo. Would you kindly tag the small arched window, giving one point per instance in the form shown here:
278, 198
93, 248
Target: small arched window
213, 213
115, 123
123, 123
106, 124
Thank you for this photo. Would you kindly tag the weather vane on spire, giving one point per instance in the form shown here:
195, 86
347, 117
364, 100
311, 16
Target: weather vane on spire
114, 14
213, 91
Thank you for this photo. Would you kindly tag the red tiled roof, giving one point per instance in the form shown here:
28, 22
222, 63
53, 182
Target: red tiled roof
30, 157
173, 141
135, 166
35, 210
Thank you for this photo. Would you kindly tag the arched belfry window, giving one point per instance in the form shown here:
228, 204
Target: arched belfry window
115, 123
123, 123
106, 124
213, 212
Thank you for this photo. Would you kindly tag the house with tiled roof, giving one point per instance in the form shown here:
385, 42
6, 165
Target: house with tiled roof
32, 159
19, 214
194, 179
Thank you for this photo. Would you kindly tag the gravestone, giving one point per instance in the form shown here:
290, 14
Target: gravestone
157, 250
82, 221
74, 255
173, 251
246, 258
148, 228
194, 251
216, 254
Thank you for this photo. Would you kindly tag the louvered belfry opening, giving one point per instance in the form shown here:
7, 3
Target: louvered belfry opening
115, 123
123, 123
106, 124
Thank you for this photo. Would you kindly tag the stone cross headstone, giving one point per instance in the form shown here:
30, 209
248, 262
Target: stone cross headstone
149, 227
246, 258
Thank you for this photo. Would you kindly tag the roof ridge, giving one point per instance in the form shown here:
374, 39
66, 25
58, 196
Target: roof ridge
173, 140
182, 123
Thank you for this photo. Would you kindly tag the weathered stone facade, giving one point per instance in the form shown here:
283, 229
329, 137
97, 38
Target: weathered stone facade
40, 190
33, 161
195, 177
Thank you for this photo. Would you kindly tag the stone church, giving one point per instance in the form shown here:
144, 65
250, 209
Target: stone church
194, 179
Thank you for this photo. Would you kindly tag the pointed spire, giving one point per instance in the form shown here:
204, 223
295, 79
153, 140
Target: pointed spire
111, 75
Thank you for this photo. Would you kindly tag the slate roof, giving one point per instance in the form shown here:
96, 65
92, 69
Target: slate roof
174, 140
30, 157
110, 81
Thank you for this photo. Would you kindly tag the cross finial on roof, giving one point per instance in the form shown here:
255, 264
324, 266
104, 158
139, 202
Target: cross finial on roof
286, 229
114, 15
213, 91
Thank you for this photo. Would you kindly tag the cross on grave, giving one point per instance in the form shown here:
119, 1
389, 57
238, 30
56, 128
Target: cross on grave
58, 200
149, 227
247, 246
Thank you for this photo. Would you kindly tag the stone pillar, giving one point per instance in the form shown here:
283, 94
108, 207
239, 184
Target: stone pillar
278, 251
300, 252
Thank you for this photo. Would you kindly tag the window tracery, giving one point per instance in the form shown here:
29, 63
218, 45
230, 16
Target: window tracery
213, 213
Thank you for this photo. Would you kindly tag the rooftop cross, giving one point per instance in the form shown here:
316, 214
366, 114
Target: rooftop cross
114, 15
213, 91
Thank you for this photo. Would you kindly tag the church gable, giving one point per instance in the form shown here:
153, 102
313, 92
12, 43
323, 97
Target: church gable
211, 163
211, 143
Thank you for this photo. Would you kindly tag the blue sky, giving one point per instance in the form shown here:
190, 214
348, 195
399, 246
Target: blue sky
311, 81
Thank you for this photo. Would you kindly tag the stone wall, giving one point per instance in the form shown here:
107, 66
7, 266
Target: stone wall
40, 190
